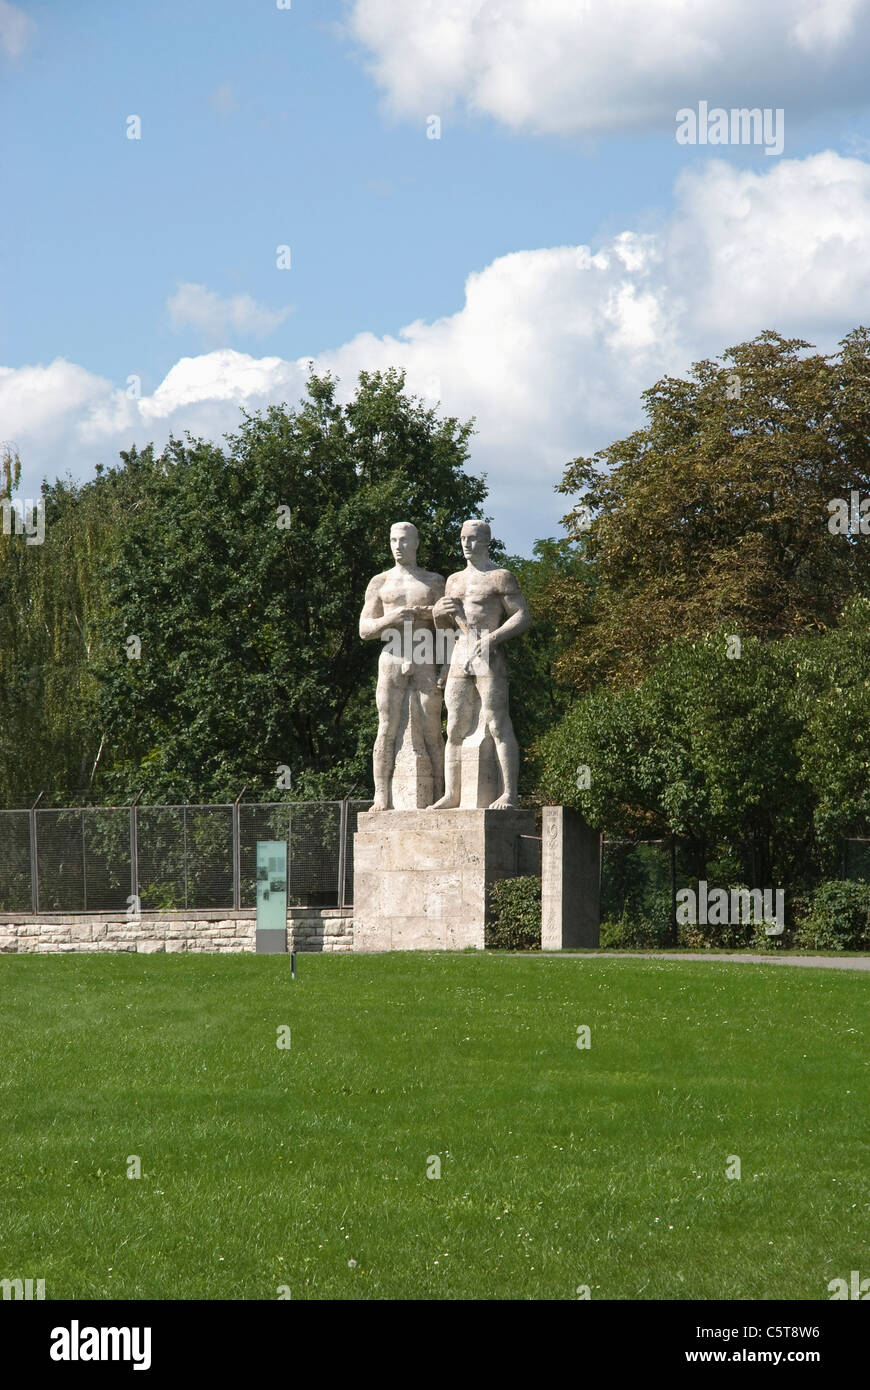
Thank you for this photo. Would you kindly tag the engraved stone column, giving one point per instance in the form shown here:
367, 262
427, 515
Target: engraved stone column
570, 880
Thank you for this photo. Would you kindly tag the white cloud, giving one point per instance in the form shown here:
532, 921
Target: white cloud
195, 306
590, 66
15, 29
550, 350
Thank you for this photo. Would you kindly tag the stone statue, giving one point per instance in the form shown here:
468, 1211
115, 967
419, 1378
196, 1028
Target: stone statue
399, 610
485, 604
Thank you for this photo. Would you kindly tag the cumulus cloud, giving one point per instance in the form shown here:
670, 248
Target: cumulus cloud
216, 318
15, 29
551, 348
590, 66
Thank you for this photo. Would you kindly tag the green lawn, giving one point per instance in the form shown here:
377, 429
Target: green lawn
264, 1167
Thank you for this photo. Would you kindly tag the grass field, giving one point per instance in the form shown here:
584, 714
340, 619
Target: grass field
265, 1167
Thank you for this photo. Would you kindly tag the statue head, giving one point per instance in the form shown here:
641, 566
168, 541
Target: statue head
404, 540
475, 538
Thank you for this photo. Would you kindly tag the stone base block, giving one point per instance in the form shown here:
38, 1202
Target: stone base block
422, 878
270, 942
570, 880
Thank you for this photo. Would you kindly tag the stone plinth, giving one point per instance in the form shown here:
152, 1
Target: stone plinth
570, 880
421, 878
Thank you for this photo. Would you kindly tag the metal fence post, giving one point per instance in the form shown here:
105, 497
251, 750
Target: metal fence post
34, 856
84, 864
134, 851
236, 852
184, 836
342, 849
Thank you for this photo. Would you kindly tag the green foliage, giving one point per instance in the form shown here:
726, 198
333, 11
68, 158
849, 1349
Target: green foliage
833, 701
838, 918
637, 909
704, 748
710, 524
515, 925
721, 936
537, 698
250, 651
716, 511
647, 926
53, 609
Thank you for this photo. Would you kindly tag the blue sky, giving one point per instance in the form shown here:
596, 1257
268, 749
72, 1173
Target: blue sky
307, 127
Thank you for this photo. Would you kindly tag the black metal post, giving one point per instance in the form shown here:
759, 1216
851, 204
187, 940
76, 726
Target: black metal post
342, 849
134, 848
34, 855
675, 935
237, 852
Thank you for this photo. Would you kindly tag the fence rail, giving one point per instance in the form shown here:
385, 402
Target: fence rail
104, 858
164, 858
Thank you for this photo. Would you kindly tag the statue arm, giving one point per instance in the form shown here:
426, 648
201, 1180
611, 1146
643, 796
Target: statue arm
372, 621
448, 605
519, 618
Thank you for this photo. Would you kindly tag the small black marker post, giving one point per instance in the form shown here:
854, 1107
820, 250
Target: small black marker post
292, 965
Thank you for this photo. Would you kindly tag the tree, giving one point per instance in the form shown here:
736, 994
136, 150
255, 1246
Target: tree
705, 748
833, 698
537, 699
716, 511
52, 608
232, 646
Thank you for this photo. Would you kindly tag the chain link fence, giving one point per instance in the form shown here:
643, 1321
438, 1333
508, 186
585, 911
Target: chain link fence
856, 860
101, 858
15, 863
639, 879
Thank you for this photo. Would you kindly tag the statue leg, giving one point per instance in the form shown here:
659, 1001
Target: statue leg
430, 709
494, 707
458, 692
389, 701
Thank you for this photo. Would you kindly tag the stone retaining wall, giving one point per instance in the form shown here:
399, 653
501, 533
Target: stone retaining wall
309, 929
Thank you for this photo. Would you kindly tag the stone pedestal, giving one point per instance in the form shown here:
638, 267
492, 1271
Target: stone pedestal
421, 878
570, 880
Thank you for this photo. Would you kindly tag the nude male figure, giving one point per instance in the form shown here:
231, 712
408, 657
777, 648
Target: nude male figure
402, 599
485, 603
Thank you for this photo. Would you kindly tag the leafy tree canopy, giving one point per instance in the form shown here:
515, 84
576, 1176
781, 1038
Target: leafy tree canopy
764, 747
241, 574
716, 511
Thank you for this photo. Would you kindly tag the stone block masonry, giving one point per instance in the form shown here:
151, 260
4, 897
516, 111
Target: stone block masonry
422, 878
308, 929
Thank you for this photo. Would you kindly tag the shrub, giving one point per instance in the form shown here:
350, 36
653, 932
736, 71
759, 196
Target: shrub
626, 933
838, 918
733, 936
646, 927
722, 936
515, 907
